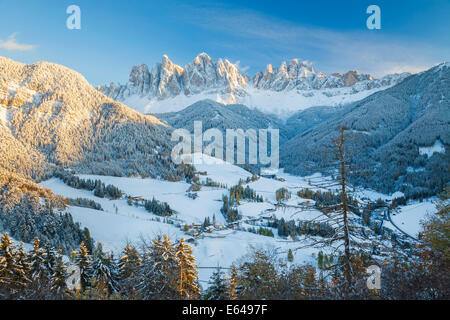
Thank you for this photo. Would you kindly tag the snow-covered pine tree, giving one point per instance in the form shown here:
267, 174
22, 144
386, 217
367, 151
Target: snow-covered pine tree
149, 277
84, 262
114, 282
23, 261
59, 276
129, 265
218, 287
88, 241
99, 190
104, 270
233, 288
12, 277
39, 271
50, 258
188, 287
159, 271
257, 276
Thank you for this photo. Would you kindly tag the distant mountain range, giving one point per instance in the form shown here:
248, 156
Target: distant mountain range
168, 87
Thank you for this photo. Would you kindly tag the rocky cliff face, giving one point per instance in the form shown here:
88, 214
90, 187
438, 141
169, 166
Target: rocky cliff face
301, 76
169, 87
168, 80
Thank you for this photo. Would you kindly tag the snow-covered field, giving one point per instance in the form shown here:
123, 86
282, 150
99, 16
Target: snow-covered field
436, 147
5, 115
120, 223
410, 217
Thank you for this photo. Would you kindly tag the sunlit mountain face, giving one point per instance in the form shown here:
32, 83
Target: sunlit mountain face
168, 87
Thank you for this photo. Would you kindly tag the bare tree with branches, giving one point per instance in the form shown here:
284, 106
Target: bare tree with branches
340, 156
335, 161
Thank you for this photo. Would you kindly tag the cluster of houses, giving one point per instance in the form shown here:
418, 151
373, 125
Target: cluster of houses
196, 230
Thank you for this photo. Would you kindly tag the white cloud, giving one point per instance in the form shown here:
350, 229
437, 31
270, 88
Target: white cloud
12, 44
238, 66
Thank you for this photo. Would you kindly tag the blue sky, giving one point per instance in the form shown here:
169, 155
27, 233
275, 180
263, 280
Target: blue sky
115, 35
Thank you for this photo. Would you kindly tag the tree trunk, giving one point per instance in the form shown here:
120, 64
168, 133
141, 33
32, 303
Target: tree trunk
343, 173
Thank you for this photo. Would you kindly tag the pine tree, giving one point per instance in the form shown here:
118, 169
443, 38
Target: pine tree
114, 273
84, 262
290, 256
23, 261
99, 190
206, 223
12, 276
257, 276
437, 228
218, 288
158, 272
129, 265
233, 287
50, 258
87, 240
59, 276
187, 272
39, 271
105, 270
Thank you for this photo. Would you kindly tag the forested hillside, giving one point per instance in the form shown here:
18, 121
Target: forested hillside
217, 115
28, 210
399, 137
51, 116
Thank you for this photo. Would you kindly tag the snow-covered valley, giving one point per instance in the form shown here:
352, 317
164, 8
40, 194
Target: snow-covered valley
79, 140
121, 222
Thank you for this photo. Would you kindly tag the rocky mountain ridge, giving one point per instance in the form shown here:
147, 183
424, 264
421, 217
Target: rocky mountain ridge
147, 90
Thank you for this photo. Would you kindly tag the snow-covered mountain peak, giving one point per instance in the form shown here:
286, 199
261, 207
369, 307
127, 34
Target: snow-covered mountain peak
202, 58
285, 89
443, 65
167, 80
